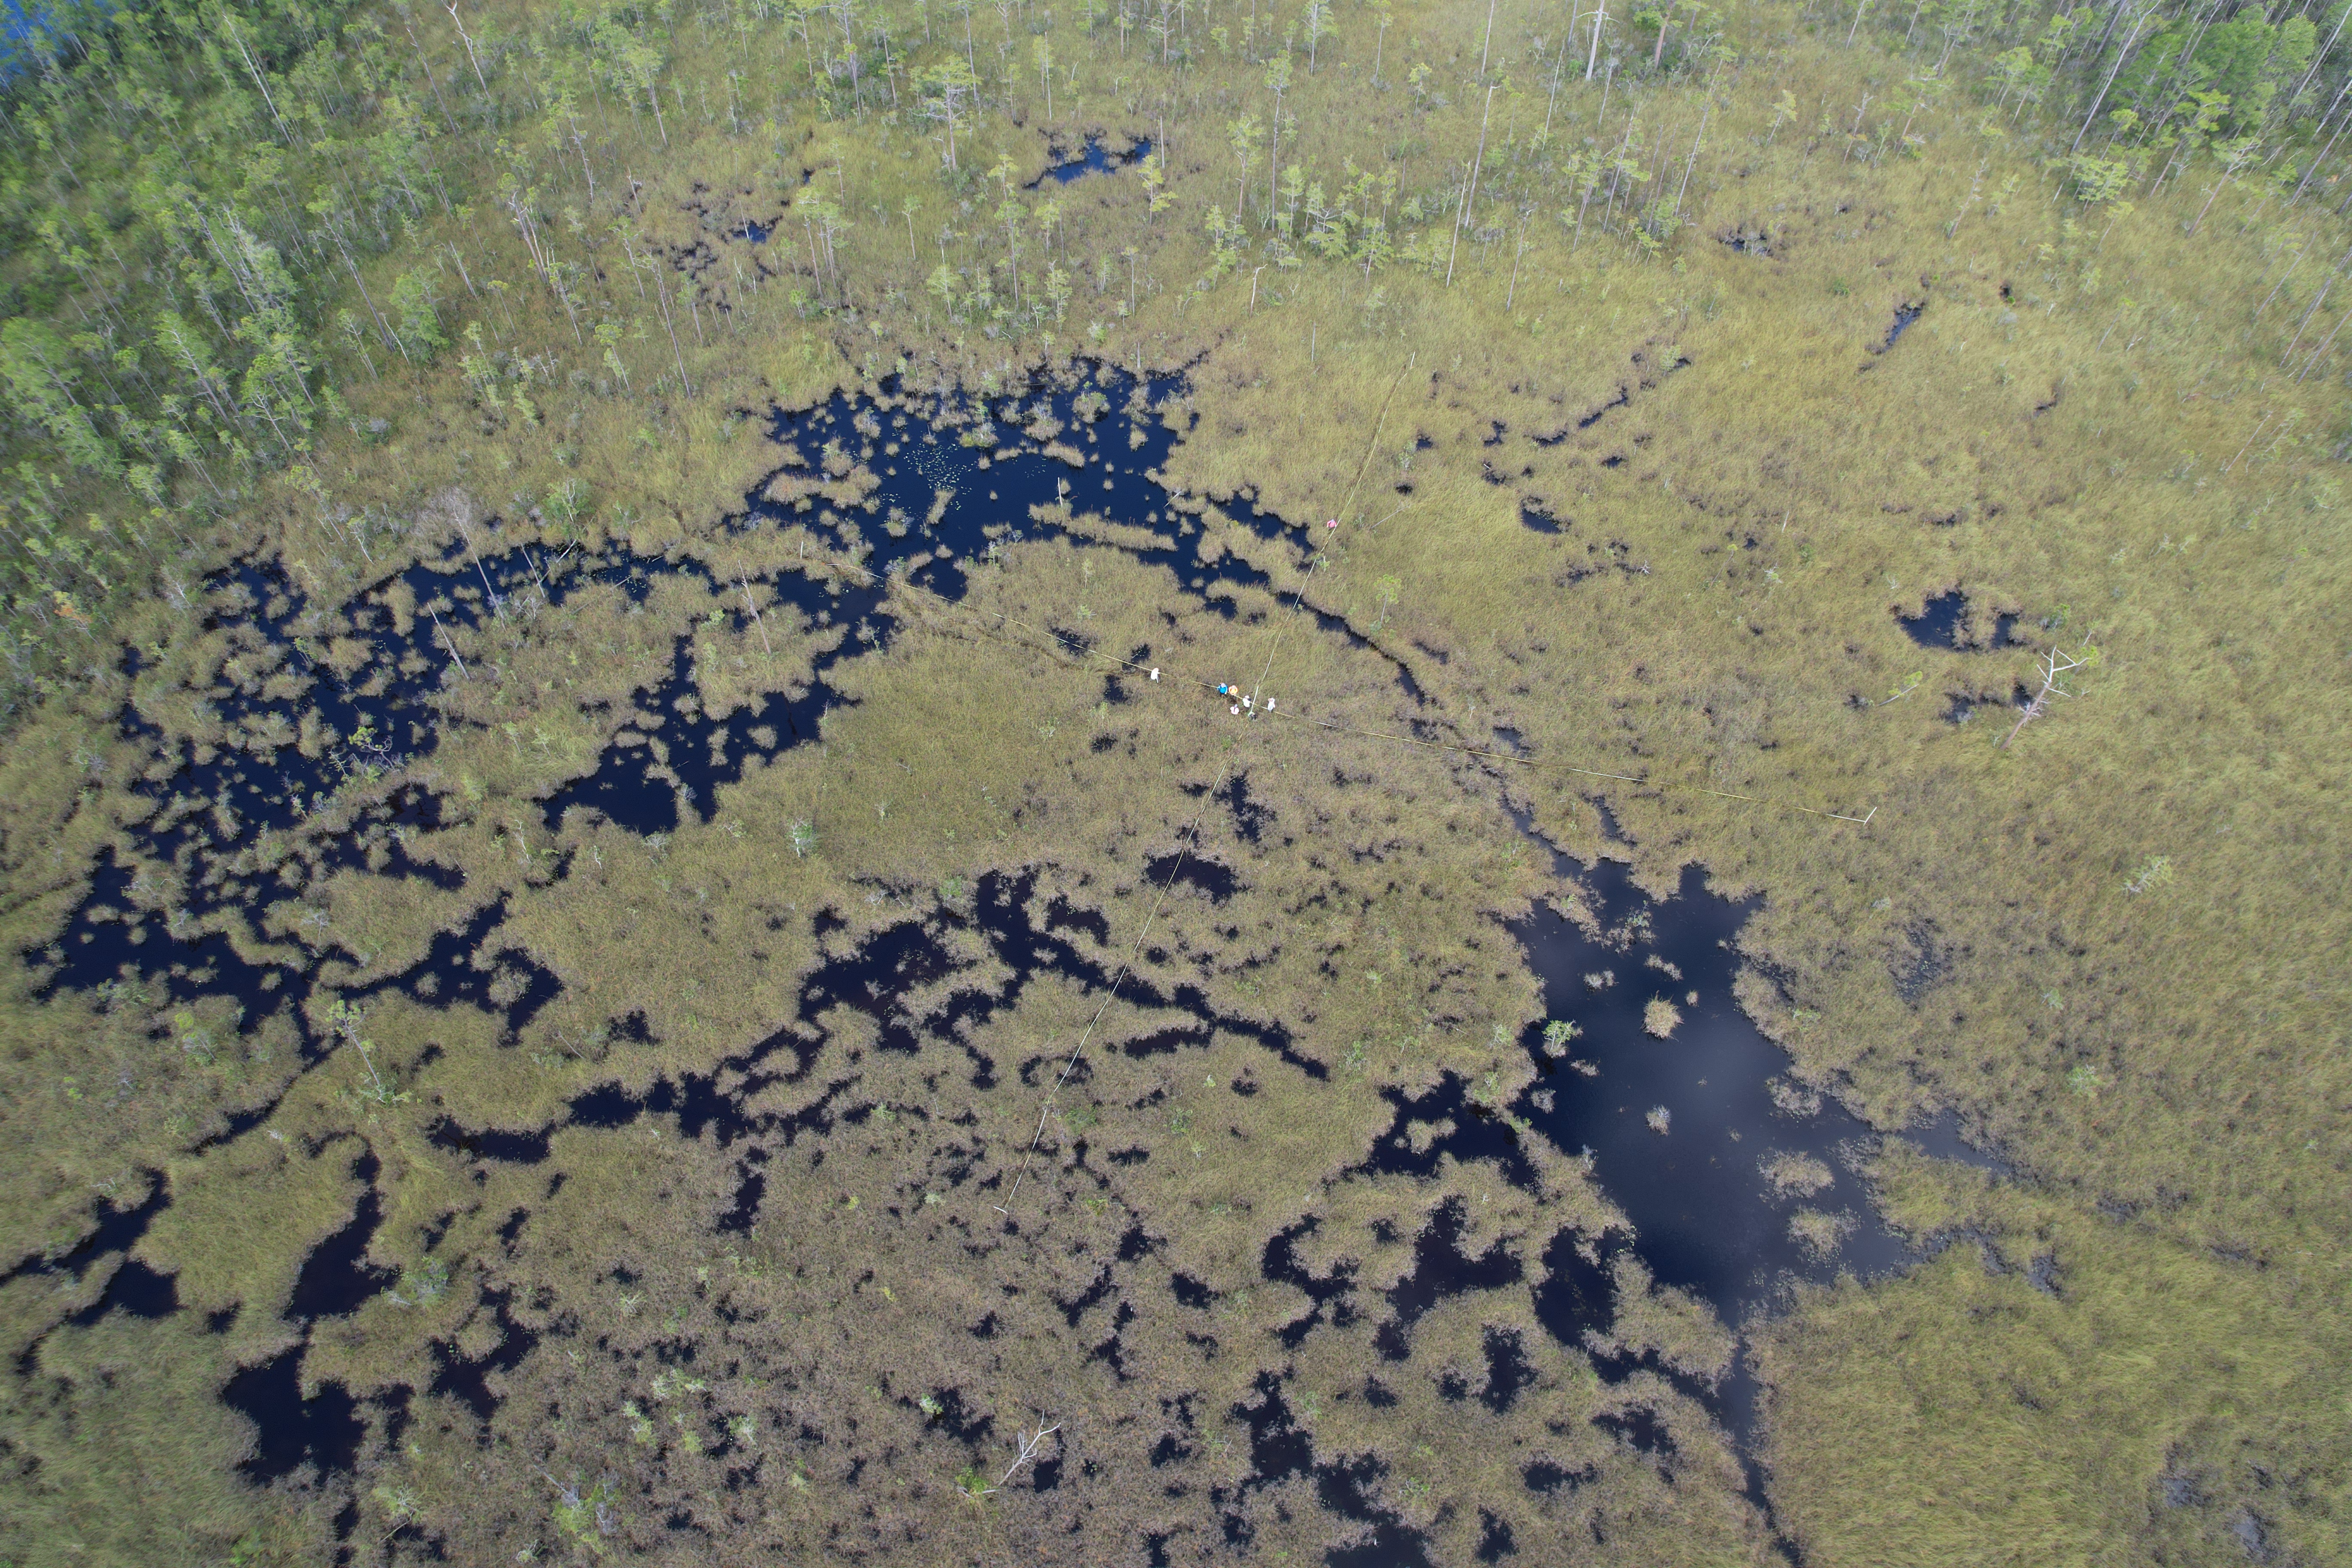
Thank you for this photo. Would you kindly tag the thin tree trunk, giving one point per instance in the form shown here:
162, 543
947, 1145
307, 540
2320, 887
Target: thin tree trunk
1558, 66
2282, 282
2313, 309
2122, 55
2323, 348
1471, 190
428, 67
676, 354
2340, 124
1692, 162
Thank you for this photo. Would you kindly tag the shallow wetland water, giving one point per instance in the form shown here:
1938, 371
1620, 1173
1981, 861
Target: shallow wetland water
1734, 1180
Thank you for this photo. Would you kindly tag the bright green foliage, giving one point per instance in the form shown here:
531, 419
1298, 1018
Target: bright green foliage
44, 386
415, 307
2243, 62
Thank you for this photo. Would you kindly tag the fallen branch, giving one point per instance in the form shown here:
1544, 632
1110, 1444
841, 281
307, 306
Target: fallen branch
1031, 1444
2053, 665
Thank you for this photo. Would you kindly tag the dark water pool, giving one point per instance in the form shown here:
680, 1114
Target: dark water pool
1737, 1179
1076, 444
1905, 315
210, 850
1095, 159
1942, 621
1691, 1179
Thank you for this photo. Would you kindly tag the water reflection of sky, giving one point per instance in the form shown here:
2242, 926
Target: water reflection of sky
1706, 1218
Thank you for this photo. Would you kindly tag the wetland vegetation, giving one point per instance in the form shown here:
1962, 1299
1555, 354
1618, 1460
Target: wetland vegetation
1356, 783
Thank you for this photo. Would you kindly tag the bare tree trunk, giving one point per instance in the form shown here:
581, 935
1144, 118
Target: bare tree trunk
1471, 190
2121, 56
2340, 124
2322, 350
1693, 161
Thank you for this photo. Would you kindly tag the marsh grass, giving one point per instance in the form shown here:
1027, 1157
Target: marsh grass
1746, 498
2012, 1386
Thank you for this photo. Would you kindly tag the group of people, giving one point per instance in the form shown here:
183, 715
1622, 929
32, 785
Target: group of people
1239, 700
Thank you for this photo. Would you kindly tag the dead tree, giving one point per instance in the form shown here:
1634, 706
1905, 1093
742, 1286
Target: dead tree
2053, 665
1032, 1444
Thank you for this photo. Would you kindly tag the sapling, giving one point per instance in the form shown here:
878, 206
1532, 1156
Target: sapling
584, 1517
1559, 63
752, 606
344, 1020
947, 90
195, 1039
1242, 136
421, 1285
400, 1506
1511, 293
